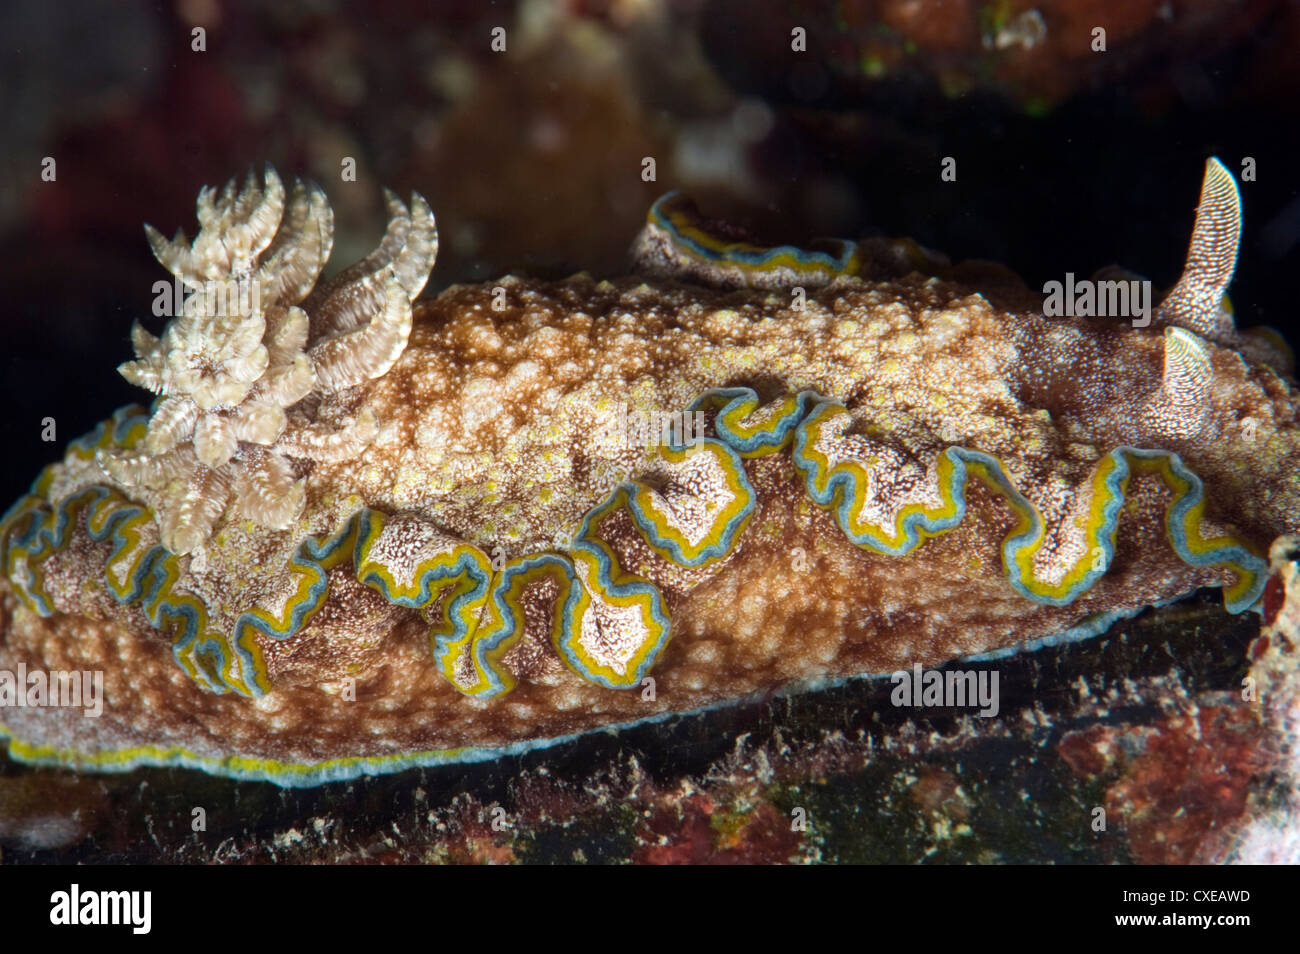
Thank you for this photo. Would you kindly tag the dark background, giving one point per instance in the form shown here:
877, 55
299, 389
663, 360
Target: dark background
1068, 160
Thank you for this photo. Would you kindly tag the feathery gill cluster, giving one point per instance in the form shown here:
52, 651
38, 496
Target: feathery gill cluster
254, 351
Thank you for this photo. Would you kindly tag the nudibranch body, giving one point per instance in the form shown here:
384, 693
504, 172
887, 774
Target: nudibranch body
357, 532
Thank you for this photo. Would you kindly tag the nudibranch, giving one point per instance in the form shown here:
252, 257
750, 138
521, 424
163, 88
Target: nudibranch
356, 532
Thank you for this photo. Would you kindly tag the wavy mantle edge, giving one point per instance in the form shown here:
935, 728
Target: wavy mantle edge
460, 586
350, 768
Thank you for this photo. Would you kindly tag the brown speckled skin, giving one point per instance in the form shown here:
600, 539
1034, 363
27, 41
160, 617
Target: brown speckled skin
927, 362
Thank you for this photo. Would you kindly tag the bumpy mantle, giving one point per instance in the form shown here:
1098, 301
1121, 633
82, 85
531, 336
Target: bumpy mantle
376, 533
